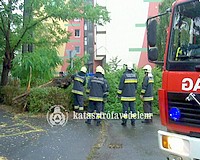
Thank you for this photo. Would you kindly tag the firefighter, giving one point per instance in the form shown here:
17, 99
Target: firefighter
78, 89
96, 88
126, 92
147, 93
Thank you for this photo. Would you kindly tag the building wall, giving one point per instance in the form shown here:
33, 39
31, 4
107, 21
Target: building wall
74, 41
100, 47
89, 44
85, 41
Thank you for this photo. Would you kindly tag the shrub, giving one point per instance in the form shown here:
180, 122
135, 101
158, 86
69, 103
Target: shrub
9, 92
41, 99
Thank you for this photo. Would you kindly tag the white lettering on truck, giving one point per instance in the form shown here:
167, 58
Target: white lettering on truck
188, 84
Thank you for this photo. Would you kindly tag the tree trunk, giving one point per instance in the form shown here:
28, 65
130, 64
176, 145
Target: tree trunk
27, 18
5, 71
9, 54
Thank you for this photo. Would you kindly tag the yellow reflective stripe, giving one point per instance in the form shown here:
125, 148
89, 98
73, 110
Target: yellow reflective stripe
128, 98
81, 108
96, 99
98, 116
87, 90
119, 91
76, 107
89, 115
143, 91
79, 79
130, 81
77, 92
151, 81
125, 116
178, 52
147, 98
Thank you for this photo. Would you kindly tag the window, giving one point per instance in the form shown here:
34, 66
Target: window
77, 49
185, 35
77, 33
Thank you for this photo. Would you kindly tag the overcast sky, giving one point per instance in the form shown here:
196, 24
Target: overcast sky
121, 33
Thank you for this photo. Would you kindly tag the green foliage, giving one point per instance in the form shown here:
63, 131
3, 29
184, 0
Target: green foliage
113, 63
157, 72
41, 99
42, 63
9, 92
40, 25
113, 78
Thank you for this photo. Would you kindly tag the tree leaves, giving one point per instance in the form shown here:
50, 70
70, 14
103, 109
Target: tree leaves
40, 26
43, 63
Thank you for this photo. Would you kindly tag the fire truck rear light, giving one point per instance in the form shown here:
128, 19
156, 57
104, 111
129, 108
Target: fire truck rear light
165, 142
176, 145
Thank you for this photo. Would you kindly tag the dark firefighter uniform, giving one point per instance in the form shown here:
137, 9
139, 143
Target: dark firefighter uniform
147, 95
78, 90
96, 88
126, 92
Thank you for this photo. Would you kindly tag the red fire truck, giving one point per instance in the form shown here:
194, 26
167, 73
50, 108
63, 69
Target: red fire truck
179, 97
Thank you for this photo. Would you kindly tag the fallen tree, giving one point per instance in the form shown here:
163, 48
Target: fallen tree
61, 82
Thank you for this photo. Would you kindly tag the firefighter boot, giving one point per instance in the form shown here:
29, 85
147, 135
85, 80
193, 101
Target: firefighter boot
123, 122
133, 123
88, 121
146, 121
98, 123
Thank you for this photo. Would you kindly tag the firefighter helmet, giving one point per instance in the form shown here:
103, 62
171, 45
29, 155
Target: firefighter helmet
99, 69
129, 66
103, 72
83, 69
147, 68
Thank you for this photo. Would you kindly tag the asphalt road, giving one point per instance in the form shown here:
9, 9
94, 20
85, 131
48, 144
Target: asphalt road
28, 138
131, 143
